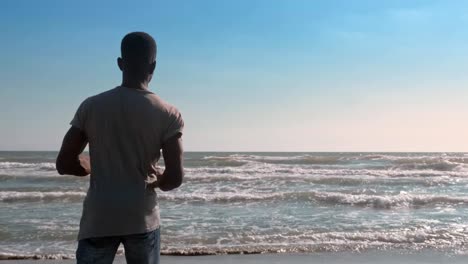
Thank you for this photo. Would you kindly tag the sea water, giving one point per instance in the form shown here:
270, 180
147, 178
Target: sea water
259, 203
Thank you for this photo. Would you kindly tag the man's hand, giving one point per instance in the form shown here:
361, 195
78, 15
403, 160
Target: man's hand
85, 162
154, 176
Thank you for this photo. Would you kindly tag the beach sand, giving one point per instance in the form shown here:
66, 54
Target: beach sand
335, 258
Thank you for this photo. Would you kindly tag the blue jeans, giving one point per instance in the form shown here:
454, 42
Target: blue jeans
139, 248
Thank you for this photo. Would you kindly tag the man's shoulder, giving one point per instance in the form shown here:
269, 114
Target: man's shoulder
100, 97
148, 98
163, 105
110, 92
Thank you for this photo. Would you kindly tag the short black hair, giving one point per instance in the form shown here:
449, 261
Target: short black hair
138, 47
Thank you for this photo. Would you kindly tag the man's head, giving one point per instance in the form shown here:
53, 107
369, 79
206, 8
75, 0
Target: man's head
138, 56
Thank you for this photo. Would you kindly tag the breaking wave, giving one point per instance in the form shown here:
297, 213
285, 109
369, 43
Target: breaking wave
48, 166
410, 240
261, 203
451, 239
402, 200
40, 196
440, 162
376, 201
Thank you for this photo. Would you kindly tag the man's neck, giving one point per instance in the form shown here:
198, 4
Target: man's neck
138, 85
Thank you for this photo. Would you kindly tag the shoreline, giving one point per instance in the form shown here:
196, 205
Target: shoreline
337, 258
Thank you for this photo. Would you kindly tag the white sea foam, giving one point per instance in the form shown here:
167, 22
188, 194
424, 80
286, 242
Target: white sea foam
451, 239
280, 203
442, 162
387, 201
21, 165
347, 175
20, 169
376, 201
410, 239
326, 179
10, 196
245, 165
19, 256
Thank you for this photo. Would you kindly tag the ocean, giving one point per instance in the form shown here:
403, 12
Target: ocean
259, 203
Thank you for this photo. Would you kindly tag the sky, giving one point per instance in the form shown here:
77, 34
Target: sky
248, 75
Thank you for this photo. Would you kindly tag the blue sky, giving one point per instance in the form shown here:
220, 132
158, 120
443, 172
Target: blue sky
249, 75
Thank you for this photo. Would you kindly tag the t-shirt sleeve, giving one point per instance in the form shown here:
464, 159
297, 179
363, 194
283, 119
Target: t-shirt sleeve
79, 120
176, 126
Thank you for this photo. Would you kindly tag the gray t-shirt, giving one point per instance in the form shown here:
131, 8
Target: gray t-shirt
126, 129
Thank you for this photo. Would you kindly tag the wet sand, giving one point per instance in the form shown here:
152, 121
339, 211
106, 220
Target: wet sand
336, 258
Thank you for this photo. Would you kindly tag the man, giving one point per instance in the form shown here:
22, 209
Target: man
126, 128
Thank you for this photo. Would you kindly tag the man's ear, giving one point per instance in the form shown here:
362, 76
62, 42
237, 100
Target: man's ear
152, 67
120, 63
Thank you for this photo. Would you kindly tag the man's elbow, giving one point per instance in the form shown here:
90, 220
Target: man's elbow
176, 181
179, 180
65, 166
59, 166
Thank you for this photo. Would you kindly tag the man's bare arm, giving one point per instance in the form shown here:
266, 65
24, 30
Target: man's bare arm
173, 160
68, 160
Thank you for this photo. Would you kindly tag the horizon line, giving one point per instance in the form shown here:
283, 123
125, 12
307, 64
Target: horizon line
271, 151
